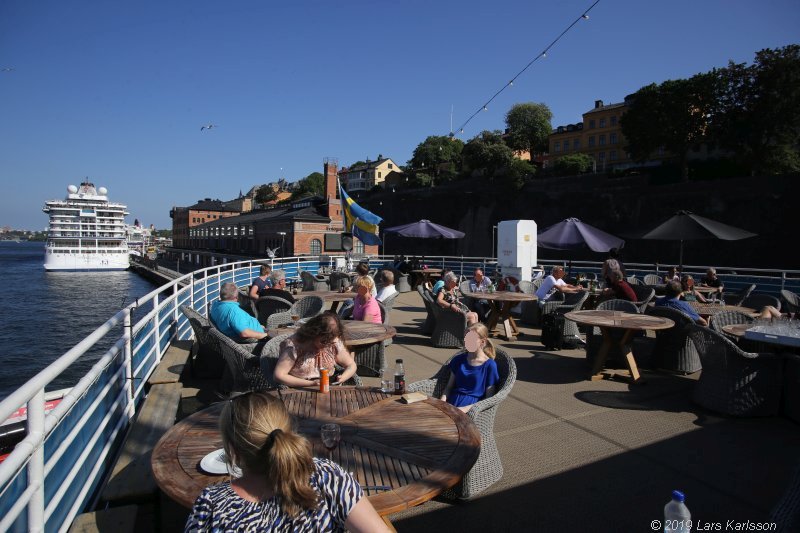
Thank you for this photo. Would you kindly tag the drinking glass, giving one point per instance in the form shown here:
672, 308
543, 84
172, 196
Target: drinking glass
330, 435
387, 380
295, 318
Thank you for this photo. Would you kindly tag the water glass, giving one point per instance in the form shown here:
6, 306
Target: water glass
387, 380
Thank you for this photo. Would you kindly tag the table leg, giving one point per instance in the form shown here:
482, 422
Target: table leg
334, 306
602, 354
632, 368
509, 326
493, 318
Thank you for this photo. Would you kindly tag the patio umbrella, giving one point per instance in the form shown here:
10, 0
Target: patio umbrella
423, 229
572, 234
686, 226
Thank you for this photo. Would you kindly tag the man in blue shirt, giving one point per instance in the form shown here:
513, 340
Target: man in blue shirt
232, 320
672, 299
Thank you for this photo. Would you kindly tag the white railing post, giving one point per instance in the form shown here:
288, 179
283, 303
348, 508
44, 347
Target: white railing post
157, 328
127, 328
36, 463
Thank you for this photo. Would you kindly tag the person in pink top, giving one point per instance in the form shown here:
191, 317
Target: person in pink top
365, 306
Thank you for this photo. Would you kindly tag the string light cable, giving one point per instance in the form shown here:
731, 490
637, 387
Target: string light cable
542, 55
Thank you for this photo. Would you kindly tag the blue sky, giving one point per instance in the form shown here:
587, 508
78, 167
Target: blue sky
118, 91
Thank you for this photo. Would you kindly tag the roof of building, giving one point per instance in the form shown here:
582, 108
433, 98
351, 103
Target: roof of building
310, 213
605, 107
212, 205
366, 166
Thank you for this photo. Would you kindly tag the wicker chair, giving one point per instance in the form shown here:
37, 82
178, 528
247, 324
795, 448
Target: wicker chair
572, 301
739, 298
427, 300
530, 309
653, 279
792, 301
206, 359
488, 469
726, 318
271, 352
643, 296
244, 367
337, 280
462, 288
304, 308
449, 327
268, 305
401, 282
594, 337
313, 283
673, 349
247, 303
758, 301
735, 382
786, 513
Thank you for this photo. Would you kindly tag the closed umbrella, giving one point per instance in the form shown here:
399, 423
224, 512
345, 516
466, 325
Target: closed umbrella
572, 234
686, 226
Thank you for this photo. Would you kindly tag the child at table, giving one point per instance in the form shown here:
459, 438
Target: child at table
283, 487
473, 373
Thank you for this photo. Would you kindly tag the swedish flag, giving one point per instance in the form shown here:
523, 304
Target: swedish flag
357, 220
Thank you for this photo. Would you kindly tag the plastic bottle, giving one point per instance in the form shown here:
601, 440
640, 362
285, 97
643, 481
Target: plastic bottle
324, 381
677, 518
399, 378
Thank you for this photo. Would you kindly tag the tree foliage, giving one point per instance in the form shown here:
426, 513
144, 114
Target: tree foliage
529, 125
488, 154
572, 164
265, 194
312, 184
438, 157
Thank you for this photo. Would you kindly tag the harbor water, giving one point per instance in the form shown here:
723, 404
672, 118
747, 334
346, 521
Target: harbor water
44, 314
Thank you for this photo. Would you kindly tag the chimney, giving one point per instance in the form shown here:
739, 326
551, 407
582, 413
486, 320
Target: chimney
598, 104
332, 188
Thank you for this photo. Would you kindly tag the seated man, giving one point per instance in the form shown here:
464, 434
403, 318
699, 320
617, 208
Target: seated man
480, 283
261, 283
552, 283
278, 288
672, 299
711, 280
619, 288
233, 321
388, 289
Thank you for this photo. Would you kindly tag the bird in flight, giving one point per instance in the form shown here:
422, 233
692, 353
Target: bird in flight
208, 127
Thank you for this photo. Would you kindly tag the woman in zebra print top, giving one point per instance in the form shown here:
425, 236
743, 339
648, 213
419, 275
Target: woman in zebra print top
282, 487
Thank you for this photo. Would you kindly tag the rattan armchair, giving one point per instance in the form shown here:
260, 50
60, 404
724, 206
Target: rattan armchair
401, 282
726, 318
572, 301
644, 295
530, 309
792, 301
243, 366
488, 469
206, 358
312, 282
758, 301
633, 280
337, 280
269, 305
304, 308
735, 382
740, 297
673, 349
247, 303
449, 327
427, 300
653, 280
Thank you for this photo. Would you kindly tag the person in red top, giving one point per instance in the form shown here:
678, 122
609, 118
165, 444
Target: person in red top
619, 288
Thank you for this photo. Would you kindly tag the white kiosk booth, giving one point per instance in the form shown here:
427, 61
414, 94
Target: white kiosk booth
516, 248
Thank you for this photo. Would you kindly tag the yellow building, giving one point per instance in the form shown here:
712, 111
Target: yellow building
365, 176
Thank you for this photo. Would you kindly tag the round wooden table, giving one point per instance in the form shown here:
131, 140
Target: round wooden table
502, 313
356, 333
329, 296
607, 321
709, 309
401, 454
426, 273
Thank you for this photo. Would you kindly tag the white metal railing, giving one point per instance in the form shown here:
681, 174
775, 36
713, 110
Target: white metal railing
67, 453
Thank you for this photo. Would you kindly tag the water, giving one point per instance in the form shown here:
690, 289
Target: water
44, 314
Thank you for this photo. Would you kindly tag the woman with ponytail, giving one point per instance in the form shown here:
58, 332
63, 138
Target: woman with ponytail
473, 373
283, 487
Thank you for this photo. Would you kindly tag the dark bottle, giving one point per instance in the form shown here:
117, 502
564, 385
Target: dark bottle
399, 378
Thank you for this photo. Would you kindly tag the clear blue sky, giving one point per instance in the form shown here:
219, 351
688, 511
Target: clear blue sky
118, 91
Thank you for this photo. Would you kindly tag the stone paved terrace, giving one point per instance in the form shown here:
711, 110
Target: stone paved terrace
599, 456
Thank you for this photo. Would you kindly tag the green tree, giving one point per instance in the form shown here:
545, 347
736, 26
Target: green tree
439, 157
487, 153
758, 119
312, 184
572, 164
529, 126
674, 115
265, 194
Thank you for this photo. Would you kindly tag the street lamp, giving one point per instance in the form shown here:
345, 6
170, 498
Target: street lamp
494, 228
283, 236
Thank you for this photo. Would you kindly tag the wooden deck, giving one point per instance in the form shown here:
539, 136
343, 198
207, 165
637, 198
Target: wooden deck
581, 455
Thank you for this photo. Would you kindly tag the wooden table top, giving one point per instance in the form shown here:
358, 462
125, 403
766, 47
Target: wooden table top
736, 330
417, 449
710, 309
619, 319
356, 332
501, 296
428, 271
328, 296
704, 289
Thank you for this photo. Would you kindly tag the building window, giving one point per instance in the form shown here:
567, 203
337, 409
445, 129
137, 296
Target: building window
390, 166
315, 247
576, 145
601, 156
591, 141
250, 231
379, 174
602, 123
358, 246
612, 138
591, 124
557, 147
602, 139
612, 155
614, 120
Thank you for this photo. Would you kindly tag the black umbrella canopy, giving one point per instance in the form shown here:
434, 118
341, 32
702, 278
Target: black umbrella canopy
686, 226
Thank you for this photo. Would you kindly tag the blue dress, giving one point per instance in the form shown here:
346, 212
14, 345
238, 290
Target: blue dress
471, 381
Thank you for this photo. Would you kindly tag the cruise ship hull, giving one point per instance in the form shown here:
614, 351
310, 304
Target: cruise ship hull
86, 262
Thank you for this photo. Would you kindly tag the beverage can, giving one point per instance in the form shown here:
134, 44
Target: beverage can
324, 381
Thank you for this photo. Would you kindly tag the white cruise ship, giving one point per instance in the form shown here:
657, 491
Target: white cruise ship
87, 232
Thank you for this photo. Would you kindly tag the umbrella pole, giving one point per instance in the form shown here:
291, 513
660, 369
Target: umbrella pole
680, 257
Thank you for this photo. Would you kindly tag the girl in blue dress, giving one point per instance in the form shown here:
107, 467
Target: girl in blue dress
473, 373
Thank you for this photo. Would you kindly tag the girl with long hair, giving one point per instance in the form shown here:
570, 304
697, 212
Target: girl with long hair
473, 373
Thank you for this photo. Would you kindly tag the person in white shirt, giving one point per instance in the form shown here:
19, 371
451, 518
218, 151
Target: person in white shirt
554, 282
388, 288
480, 283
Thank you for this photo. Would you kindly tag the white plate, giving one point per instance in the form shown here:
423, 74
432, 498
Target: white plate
214, 463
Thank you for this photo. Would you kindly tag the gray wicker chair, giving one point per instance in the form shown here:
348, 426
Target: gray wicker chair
792, 301
271, 352
653, 279
268, 305
488, 469
633, 280
530, 310
643, 296
735, 382
304, 308
244, 367
673, 349
594, 337
401, 282
312, 282
206, 358
739, 298
726, 318
462, 288
337, 280
427, 300
449, 327
786, 513
247, 303
758, 301
572, 301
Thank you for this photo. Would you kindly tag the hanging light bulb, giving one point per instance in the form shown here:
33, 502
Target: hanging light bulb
511, 83
544, 54
462, 130
585, 16
485, 108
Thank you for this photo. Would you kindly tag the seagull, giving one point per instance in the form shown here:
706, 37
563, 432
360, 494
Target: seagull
208, 127
271, 252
